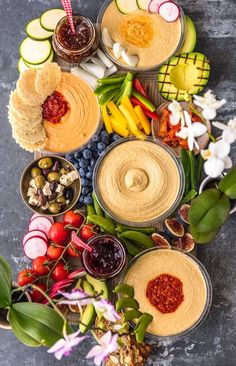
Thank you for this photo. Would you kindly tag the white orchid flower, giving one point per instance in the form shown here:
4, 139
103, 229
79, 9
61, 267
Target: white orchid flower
209, 104
176, 113
229, 130
191, 130
217, 158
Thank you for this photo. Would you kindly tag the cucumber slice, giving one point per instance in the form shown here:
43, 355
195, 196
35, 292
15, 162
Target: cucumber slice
22, 66
125, 6
143, 4
35, 52
50, 18
38, 66
35, 31
191, 37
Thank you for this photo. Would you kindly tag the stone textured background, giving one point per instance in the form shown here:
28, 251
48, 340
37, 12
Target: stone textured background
214, 344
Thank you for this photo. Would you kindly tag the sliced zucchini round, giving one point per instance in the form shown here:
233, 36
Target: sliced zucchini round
125, 6
38, 66
50, 18
35, 31
22, 66
143, 4
35, 52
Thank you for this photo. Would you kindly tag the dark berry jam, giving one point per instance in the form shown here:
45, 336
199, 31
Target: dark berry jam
107, 257
79, 39
54, 107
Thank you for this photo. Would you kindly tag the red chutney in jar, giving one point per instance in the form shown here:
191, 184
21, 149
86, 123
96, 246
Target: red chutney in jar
80, 39
54, 107
165, 292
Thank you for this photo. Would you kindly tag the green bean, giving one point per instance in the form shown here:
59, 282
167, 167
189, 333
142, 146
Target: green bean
130, 247
97, 207
141, 238
145, 230
104, 224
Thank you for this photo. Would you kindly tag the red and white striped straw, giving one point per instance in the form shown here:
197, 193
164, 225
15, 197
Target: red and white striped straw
68, 9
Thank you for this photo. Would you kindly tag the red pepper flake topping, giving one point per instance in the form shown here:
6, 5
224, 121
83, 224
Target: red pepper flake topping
165, 292
54, 107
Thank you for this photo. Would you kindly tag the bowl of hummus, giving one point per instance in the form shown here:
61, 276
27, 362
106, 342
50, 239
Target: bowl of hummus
138, 183
174, 288
147, 35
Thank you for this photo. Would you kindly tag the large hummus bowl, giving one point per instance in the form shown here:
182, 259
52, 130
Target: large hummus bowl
142, 33
197, 291
138, 183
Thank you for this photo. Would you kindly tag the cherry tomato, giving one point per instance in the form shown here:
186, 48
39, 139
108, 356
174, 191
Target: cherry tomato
54, 252
57, 233
40, 265
36, 295
88, 231
73, 251
73, 218
25, 277
60, 272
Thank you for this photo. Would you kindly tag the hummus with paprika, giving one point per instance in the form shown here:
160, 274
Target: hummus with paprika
81, 120
138, 181
167, 263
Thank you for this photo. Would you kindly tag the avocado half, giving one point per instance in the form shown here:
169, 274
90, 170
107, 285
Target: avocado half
184, 74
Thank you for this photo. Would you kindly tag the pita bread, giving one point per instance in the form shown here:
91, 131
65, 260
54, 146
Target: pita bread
22, 109
25, 123
26, 88
48, 79
32, 147
30, 137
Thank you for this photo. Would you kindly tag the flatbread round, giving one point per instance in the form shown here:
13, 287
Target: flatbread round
26, 123
30, 137
26, 88
32, 147
23, 110
48, 79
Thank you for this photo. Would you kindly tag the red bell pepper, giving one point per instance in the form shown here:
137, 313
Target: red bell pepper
139, 87
148, 113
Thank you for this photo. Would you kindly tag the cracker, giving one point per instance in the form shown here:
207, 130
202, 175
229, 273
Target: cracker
32, 147
29, 137
48, 79
25, 123
26, 88
23, 110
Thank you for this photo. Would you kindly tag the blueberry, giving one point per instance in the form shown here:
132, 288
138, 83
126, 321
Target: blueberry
95, 138
87, 154
85, 191
88, 200
94, 146
105, 137
92, 162
100, 152
77, 165
84, 182
89, 146
115, 137
89, 175
90, 169
83, 163
69, 156
82, 172
101, 146
77, 155
81, 199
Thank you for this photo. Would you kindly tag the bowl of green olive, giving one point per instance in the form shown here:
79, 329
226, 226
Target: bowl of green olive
50, 185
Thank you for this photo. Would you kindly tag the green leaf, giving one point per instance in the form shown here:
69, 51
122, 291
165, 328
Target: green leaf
199, 163
192, 163
228, 184
5, 283
209, 211
20, 332
39, 322
186, 166
203, 238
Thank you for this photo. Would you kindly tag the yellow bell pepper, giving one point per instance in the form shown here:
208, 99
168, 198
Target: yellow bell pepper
118, 128
106, 119
117, 114
143, 119
131, 123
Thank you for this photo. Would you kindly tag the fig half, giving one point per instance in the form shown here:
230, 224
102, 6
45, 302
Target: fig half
173, 228
160, 241
186, 243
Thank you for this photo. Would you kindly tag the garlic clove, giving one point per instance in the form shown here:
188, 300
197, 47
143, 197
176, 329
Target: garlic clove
106, 38
117, 50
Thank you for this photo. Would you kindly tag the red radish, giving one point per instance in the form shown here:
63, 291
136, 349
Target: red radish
35, 247
169, 11
77, 274
154, 5
40, 223
79, 243
50, 218
33, 233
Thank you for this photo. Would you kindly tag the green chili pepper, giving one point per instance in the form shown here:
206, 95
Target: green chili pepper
139, 237
144, 100
101, 89
104, 224
112, 80
130, 247
145, 230
124, 289
126, 87
90, 210
97, 207
132, 314
106, 97
140, 329
126, 302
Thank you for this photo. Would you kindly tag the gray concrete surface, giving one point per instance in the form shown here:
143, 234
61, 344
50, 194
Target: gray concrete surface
214, 344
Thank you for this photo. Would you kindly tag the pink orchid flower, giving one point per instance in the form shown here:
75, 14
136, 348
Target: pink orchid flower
77, 297
64, 346
107, 309
107, 344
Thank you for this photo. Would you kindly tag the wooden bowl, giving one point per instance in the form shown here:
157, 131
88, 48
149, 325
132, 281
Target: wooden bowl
26, 177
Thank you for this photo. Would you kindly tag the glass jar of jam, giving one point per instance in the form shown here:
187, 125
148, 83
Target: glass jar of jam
75, 48
107, 258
